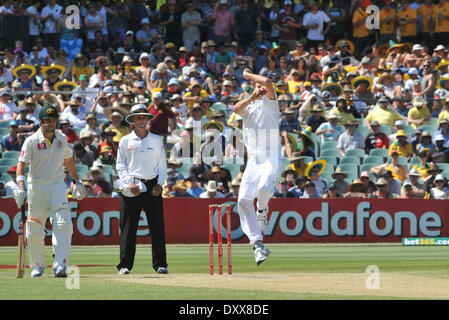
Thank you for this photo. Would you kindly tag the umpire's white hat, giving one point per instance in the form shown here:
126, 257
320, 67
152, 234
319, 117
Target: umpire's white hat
138, 109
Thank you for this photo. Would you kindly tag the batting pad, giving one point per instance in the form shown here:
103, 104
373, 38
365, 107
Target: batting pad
62, 236
248, 220
35, 238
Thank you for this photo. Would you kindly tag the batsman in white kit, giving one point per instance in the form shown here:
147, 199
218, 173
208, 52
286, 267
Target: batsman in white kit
260, 113
46, 151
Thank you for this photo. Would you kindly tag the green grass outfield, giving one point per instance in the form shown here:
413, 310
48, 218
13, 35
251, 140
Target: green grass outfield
293, 271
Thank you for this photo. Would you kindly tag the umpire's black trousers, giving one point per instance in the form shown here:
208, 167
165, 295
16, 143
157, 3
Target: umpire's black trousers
130, 209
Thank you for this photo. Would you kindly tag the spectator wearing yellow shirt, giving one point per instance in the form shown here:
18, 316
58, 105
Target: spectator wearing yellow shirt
423, 166
401, 145
444, 114
81, 66
425, 15
196, 94
419, 114
407, 21
116, 115
398, 171
387, 17
341, 111
441, 16
363, 37
383, 113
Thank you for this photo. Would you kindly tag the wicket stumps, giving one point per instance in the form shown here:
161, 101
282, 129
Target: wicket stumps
219, 208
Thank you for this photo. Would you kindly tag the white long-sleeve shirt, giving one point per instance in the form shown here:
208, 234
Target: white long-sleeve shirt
141, 158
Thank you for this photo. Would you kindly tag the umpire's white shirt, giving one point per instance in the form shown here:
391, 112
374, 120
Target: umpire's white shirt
141, 158
46, 158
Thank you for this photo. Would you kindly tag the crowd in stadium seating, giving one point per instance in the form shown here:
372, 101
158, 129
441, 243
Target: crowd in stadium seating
364, 112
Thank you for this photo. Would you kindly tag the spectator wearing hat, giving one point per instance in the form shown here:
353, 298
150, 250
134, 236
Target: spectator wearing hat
102, 188
13, 140
116, 115
11, 185
316, 119
350, 139
382, 190
306, 146
444, 114
107, 136
194, 186
180, 109
332, 192
224, 21
356, 190
399, 125
161, 73
443, 129
418, 115
383, 113
425, 143
191, 21
160, 109
441, 190
339, 175
66, 128
288, 23
100, 104
195, 94
401, 145
234, 187
422, 167
8, 109
25, 124
433, 171
330, 130
83, 154
73, 114
289, 122
211, 191
106, 157
310, 191
146, 34
180, 190
414, 178
440, 153
91, 127
376, 139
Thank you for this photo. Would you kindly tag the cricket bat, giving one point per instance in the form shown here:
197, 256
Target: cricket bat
21, 250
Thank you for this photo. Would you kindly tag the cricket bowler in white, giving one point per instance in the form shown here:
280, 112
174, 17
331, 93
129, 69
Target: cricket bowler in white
260, 113
46, 151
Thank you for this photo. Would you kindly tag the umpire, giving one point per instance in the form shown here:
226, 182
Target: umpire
141, 166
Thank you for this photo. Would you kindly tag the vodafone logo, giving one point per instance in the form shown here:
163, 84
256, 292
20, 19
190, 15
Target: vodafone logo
41, 146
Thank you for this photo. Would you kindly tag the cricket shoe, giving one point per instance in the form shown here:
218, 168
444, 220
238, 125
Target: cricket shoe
123, 271
262, 219
37, 272
162, 270
59, 271
261, 254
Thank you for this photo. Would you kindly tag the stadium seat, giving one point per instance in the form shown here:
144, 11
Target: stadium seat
413, 161
350, 169
363, 130
444, 166
184, 170
356, 153
402, 161
328, 145
11, 155
379, 152
386, 129
101, 121
431, 128
330, 160
331, 153
4, 124
367, 167
8, 162
377, 160
233, 168
409, 130
433, 122
350, 160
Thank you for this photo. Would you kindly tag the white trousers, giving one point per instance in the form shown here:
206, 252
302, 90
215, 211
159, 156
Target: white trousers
45, 201
258, 181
